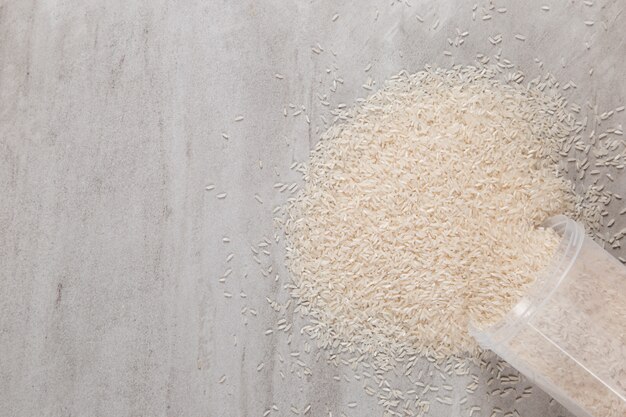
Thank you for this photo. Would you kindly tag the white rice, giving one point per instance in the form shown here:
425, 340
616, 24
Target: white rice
420, 211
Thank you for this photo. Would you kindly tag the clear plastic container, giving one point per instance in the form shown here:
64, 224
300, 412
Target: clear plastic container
568, 334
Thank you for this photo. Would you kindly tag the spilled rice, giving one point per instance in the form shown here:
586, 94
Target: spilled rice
420, 211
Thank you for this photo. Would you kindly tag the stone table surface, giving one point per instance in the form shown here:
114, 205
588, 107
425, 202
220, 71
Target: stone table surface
115, 116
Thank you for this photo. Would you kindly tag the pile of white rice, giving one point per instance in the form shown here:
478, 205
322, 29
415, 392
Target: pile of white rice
421, 208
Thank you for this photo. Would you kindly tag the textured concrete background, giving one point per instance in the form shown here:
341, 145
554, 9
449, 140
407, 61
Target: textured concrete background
111, 122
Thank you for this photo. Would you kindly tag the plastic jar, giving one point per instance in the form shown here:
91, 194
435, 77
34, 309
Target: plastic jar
568, 334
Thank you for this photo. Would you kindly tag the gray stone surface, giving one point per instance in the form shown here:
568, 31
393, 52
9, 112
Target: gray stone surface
111, 115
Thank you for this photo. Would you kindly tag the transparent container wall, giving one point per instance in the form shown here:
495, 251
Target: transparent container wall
569, 334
